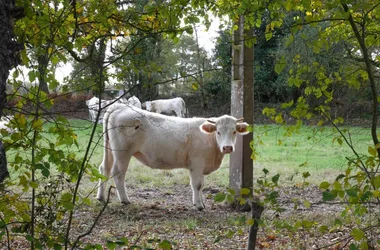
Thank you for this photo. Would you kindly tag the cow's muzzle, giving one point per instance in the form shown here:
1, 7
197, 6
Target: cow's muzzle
228, 149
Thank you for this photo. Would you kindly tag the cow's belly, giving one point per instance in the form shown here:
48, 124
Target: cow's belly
168, 161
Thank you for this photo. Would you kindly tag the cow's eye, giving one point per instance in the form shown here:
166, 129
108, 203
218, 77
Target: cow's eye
218, 133
234, 132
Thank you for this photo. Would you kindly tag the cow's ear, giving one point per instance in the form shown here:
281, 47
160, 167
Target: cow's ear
242, 128
136, 123
208, 128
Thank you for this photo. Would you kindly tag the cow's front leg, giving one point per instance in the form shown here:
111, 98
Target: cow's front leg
197, 181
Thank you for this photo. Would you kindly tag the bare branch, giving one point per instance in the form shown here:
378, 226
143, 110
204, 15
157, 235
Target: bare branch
95, 221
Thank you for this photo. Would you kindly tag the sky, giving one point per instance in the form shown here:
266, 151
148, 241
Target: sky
206, 38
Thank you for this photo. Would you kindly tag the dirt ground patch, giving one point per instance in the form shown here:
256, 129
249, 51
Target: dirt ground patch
160, 214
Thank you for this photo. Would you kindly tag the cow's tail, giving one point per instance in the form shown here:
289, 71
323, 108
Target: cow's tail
184, 108
107, 157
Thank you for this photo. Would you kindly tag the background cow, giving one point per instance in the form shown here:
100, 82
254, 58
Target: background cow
5, 123
175, 106
134, 101
93, 105
165, 142
93, 108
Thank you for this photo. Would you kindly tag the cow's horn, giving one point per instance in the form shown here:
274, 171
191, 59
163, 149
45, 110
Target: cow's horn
240, 120
211, 121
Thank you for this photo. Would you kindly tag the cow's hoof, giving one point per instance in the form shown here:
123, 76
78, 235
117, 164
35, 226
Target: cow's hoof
101, 199
200, 208
126, 202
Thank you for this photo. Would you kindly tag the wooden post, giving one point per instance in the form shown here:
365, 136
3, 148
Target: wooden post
241, 164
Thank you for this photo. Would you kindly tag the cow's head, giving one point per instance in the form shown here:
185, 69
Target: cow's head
147, 105
225, 129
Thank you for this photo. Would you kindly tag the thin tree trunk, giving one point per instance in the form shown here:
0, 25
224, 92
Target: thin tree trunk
200, 67
42, 66
256, 212
360, 36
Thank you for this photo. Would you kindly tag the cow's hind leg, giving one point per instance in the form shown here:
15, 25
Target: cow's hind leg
197, 181
119, 170
101, 196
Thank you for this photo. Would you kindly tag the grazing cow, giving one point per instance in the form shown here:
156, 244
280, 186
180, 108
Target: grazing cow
175, 106
165, 142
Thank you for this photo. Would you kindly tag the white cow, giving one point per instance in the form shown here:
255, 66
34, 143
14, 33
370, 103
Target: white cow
93, 108
175, 106
93, 105
5, 123
133, 100
165, 142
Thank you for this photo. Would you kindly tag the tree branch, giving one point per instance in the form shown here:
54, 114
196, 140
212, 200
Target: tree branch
95, 221
364, 50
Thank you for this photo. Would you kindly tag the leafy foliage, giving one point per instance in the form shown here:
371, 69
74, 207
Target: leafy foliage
335, 29
330, 46
47, 173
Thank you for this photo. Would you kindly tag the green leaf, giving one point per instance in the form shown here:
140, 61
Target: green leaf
32, 76
276, 178
195, 86
122, 241
29, 238
341, 176
376, 181
337, 185
328, 196
66, 201
268, 36
323, 229
352, 192
231, 191
37, 124
280, 65
45, 172
372, 151
33, 185
338, 222
324, 185
353, 247
220, 197
230, 198
358, 234
245, 191
111, 245
57, 246
165, 244
273, 195
250, 221
305, 175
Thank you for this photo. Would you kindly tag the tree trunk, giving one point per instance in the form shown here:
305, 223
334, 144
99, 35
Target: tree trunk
42, 66
8, 59
257, 210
